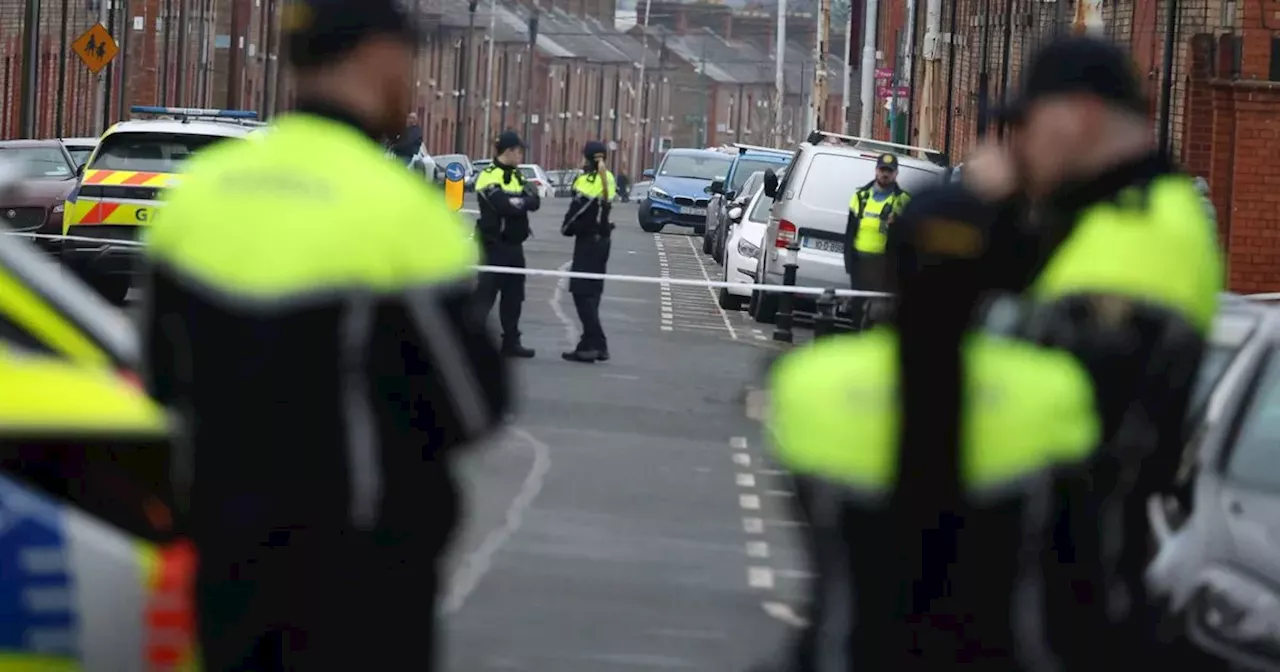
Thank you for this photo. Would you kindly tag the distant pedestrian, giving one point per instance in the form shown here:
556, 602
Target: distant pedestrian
588, 222
409, 143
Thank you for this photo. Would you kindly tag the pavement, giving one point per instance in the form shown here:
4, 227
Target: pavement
627, 520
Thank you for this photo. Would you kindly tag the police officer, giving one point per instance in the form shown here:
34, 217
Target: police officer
316, 331
872, 209
588, 222
1124, 266
938, 452
505, 200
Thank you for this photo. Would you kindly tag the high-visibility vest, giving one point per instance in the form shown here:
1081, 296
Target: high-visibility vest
873, 221
591, 186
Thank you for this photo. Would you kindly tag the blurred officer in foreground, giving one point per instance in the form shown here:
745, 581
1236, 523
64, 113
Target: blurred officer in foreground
872, 209
943, 457
588, 222
1122, 267
505, 200
315, 329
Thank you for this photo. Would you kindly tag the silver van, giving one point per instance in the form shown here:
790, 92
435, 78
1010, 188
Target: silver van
812, 205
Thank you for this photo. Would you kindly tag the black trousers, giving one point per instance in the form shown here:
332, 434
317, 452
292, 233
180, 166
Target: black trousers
593, 338
511, 288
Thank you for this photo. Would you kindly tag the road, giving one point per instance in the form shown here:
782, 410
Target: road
627, 520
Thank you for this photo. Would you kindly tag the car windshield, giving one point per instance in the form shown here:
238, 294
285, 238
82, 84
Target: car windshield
695, 166
831, 179
41, 163
150, 152
1254, 460
1231, 331
529, 172
80, 154
746, 167
760, 210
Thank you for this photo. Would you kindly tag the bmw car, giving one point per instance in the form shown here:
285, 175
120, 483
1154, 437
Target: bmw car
681, 189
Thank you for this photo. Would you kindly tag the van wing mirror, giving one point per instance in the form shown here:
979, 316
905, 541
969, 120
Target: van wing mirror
771, 184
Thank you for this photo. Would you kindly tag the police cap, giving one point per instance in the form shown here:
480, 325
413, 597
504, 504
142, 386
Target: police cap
594, 148
1080, 65
887, 162
317, 32
507, 140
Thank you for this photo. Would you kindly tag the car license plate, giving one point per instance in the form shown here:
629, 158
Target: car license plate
824, 245
701, 212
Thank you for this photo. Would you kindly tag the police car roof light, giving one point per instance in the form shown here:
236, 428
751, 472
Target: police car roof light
194, 112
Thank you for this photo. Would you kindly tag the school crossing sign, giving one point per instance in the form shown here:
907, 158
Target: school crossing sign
96, 48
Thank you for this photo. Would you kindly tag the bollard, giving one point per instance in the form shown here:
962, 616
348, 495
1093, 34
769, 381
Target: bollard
824, 320
782, 325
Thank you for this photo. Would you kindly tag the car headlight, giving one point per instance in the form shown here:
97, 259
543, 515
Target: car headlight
57, 209
746, 249
654, 191
1237, 612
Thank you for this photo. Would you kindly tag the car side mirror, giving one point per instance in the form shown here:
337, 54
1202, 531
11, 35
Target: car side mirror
735, 214
770, 184
80, 170
717, 187
647, 174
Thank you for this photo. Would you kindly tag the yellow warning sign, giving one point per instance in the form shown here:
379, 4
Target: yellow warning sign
96, 48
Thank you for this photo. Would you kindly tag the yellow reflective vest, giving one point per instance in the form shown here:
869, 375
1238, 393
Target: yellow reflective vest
872, 219
834, 411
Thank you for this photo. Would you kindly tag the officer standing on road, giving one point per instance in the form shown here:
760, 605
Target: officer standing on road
937, 453
872, 209
588, 222
505, 200
315, 329
1123, 265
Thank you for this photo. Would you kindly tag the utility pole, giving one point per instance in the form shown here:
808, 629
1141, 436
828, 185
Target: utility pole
1005, 55
847, 74
61, 98
868, 68
932, 56
984, 76
908, 62
779, 74
104, 77
166, 11
600, 108
657, 126
528, 109
488, 79
638, 94
502, 88
949, 106
464, 72
705, 140
1164, 136
30, 69
616, 134
818, 100
180, 82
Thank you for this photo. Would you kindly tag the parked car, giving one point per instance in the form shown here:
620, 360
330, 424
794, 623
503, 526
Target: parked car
747, 159
37, 205
562, 181
469, 172
720, 229
80, 149
749, 223
480, 164
679, 195
811, 209
537, 177
640, 190
1217, 564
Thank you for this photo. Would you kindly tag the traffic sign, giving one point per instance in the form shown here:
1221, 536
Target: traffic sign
887, 92
454, 174
96, 48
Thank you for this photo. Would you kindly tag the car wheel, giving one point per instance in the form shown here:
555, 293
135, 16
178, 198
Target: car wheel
650, 227
706, 240
718, 245
729, 301
765, 309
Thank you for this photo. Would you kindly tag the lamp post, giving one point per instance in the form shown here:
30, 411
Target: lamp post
464, 69
533, 42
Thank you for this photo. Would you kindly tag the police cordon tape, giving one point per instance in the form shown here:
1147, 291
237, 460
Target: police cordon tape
639, 279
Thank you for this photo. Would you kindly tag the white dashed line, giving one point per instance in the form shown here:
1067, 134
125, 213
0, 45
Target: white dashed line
733, 333
746, 481
742, 459
779, 493
793, 574
753, 525
760, 577
749, 502
772, 472
785, 614
738, 443
757, 549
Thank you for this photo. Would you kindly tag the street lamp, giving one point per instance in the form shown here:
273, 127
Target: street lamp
464, 68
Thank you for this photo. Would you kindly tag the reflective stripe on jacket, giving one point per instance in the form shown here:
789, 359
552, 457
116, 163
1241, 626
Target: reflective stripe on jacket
872, 219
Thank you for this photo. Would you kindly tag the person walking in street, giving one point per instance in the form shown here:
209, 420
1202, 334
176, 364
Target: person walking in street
872, 209
315, 331
588, 222
408, 143
624, 188
1122, 268
505, 200
937, 454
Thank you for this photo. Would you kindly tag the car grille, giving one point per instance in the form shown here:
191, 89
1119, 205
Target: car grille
23, 219
134, 193
692, 202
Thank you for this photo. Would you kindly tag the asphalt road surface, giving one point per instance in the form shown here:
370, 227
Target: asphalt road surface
627, 519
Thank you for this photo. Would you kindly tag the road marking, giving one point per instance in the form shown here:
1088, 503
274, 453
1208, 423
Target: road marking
469, 211
772, 472
757, 549
733, 333
760, 577
742, 459
752, 525
749, 502
570, 329
619, 376
738, 443
793, 574
477, 563
786, 523
779, 493
746, 481
785, 614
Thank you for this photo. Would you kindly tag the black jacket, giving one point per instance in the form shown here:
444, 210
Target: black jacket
505, 200
587, 220
409, 143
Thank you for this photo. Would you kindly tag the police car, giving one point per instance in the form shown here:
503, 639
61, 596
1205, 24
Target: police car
120, 186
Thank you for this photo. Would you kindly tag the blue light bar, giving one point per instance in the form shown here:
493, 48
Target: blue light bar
194, 112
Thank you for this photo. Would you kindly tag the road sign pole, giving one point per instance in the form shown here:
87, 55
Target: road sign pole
60, 99
30, 69
454, 175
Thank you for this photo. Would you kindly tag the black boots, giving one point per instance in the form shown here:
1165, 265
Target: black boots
586, 356
512, 348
